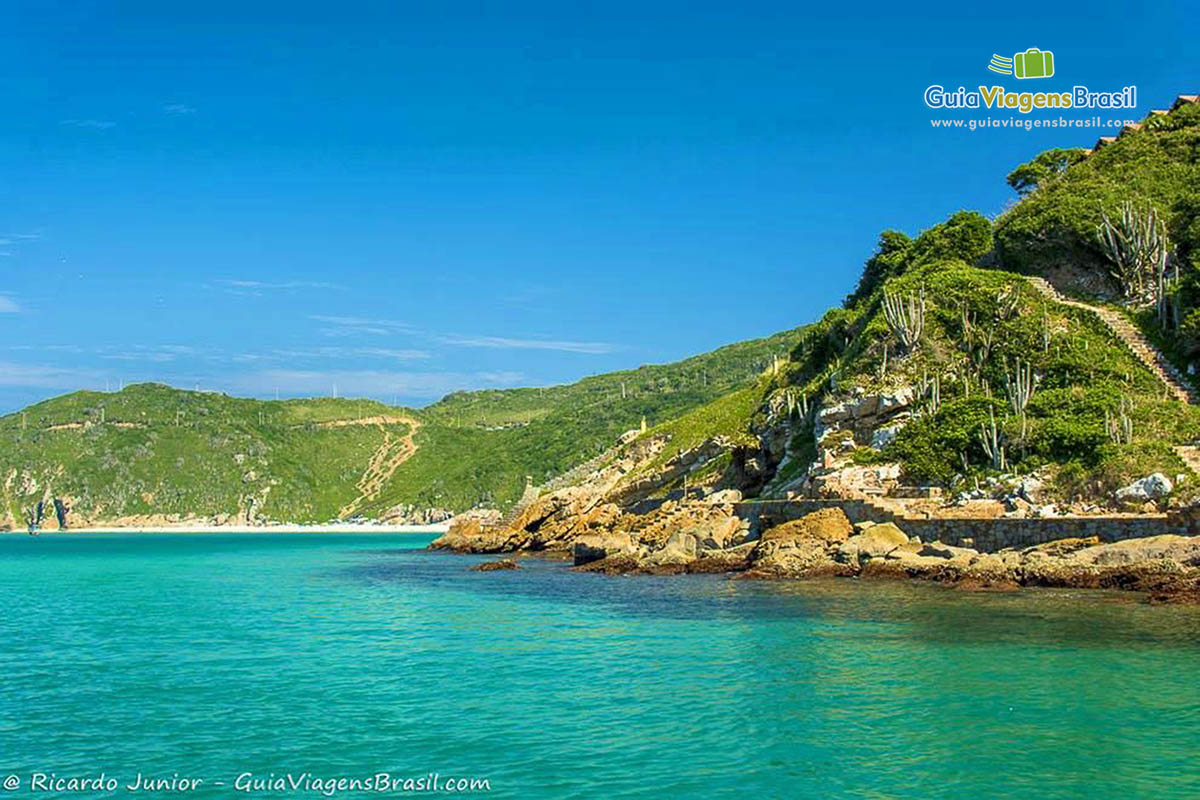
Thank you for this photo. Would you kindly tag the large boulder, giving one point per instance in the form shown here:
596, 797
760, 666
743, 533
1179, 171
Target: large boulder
554, 521
1151, 487
801, 547
720, 533
1032, 490
595, 546
875, 542
473, 534
947, 552
828, 525
680, 548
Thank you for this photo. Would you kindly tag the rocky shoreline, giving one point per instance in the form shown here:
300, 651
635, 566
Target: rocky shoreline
705, 536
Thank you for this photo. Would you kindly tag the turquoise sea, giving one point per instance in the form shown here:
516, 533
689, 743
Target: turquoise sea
343, 656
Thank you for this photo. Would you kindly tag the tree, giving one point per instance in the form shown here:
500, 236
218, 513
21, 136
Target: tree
1027, 177
889, 261
966, 236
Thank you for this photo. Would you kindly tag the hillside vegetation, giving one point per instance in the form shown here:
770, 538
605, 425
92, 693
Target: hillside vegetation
1000, 381
1091, 417
155, 450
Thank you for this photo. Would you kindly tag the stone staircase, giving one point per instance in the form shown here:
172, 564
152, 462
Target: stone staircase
1132, 338
1190, 455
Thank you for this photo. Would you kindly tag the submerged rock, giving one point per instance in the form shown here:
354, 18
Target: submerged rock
494, 566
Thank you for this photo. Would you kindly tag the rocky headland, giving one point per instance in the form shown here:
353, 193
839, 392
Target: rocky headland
708, 536
621, 520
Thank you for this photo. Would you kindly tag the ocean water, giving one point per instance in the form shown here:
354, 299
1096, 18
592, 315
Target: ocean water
344, 656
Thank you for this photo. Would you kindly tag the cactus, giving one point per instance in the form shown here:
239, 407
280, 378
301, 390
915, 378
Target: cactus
1008, 300
930, 391
906, 317
1136, 244
797, 409
1120, 426
992, 440
978, 341
1021, 387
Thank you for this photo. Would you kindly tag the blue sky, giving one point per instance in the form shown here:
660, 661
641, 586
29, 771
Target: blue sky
407, 199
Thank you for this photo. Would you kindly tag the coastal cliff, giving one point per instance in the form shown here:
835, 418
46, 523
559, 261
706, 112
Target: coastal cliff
960, 416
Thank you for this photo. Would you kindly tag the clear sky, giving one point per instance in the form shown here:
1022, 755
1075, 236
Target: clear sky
405, 199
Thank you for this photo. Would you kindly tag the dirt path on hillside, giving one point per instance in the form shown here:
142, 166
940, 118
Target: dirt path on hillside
79, 426
384, 462
376, 420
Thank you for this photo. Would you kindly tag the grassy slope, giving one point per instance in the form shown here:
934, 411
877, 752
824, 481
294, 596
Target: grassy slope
154, 449
1085, 371
462, 462
1087, 375
1157, 166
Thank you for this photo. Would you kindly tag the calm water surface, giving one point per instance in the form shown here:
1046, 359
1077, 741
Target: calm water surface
346, 655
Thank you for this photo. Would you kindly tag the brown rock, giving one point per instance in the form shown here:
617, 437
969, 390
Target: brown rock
596, 546
1062, 547
828, 525
494, 566
939, 550
1183, 550
802, 547
470, 535
875, 542
681, 548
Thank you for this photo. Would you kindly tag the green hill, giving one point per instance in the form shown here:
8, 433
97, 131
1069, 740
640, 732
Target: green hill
152, 449
1100, 415
997, 378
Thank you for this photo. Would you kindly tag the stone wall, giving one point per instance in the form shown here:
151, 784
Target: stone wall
990, 535
985, 535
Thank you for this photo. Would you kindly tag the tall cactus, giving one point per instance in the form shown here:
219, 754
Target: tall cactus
1119, 426
992, 439
1045, 329
929, 391
1136, 244
906, 317
1021, 387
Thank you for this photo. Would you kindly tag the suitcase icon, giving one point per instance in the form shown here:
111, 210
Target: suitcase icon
1033, 63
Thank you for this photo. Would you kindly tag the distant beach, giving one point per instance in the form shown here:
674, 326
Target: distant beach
280, 528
